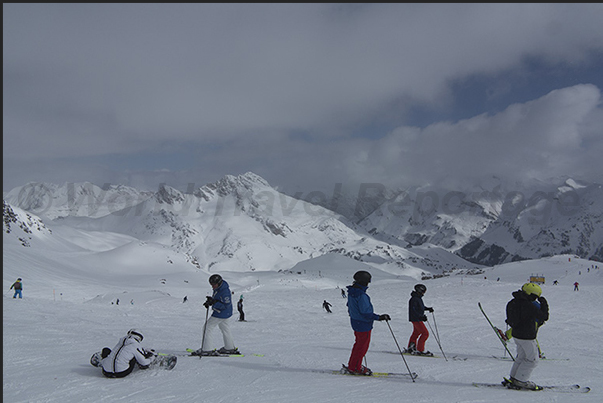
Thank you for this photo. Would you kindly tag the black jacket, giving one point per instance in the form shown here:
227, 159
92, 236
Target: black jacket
416, 308
524, 315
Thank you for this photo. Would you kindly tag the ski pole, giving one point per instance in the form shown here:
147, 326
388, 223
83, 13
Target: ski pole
540, 353
437, 338
435, 324
438, 334
400, 350
204, 328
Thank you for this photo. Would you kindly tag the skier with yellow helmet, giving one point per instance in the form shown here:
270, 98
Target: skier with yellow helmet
526, 312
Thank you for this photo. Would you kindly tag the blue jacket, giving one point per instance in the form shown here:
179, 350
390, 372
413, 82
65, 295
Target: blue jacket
222, 307
360, 308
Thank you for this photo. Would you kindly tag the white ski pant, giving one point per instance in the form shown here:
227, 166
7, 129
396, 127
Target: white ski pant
526, 360
210, 327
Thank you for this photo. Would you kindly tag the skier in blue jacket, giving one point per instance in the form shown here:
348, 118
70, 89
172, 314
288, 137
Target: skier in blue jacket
221, 304
362, 317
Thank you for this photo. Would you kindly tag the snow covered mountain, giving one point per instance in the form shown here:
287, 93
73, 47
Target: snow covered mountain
84, 199
492, 223
239, 223
565, 220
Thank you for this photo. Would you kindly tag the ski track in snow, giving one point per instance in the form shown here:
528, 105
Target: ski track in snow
48, 338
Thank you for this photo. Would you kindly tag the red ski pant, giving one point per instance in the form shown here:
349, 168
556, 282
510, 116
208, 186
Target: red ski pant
419, 335
361, 346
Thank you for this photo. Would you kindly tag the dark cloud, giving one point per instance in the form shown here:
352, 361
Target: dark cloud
298, 93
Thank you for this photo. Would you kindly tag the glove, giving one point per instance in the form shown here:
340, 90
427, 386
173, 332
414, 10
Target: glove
209, 302
149, 353
543, 301
384, 317
424, 318
430, 309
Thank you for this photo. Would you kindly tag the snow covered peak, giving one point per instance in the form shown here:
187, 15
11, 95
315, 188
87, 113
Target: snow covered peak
168, 195
21, 225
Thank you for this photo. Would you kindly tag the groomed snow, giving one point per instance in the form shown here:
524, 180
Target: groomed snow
67, 314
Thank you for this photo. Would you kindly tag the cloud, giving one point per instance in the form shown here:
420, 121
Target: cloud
258, 86
549, 137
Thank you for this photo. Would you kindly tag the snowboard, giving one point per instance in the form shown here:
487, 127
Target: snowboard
162, 361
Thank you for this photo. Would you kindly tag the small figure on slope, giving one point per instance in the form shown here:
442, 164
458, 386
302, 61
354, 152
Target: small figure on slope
362, 317
18, 286
327, 306
240, 309
416, 315
525, 318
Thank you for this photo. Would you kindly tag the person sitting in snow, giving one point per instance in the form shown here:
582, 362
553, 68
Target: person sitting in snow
125, 356
361, 318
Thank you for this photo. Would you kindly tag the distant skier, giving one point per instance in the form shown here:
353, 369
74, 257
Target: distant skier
416, 315
125, 356
576, 284
184, 299
525, 318
221, 304
240, 309
18, 286
361, 318
327, 306
343, 293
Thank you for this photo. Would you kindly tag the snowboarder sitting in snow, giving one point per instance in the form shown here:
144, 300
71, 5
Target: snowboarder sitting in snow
525, 317
327, 306
416, 315
125, 356
361, 318
18, 286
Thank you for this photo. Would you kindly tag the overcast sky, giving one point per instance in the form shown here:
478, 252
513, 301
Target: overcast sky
304, 95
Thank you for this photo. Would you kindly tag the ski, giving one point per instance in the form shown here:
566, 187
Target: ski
549, 388
191, 351
541, 359
504, 343
373, 375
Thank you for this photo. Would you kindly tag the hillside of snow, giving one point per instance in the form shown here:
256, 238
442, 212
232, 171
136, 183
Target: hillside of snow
69, 311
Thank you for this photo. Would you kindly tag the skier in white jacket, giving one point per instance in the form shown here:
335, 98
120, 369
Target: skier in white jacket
128, 352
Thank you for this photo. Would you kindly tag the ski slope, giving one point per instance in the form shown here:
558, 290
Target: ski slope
68, 312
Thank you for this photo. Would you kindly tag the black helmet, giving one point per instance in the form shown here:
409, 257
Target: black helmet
420, 288
215, 279
362, 277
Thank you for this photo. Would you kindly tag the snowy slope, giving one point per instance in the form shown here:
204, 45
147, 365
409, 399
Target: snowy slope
67, 314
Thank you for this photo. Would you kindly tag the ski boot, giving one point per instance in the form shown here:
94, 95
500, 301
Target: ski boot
226, 351
363, 371
205, 353
513, 383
